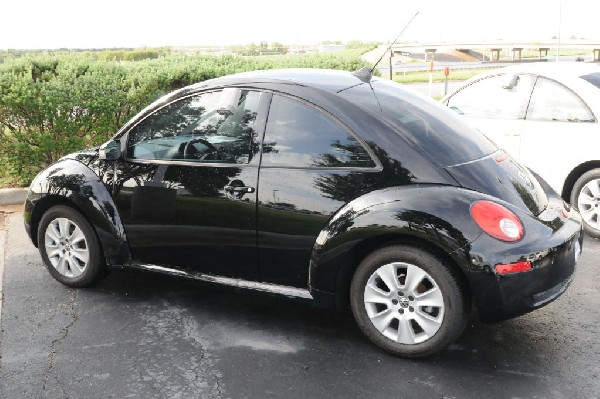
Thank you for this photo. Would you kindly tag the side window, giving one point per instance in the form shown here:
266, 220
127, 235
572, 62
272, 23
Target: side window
551, 101
300, 135
488, 98
192, 130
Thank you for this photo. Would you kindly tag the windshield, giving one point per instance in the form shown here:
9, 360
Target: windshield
433, 127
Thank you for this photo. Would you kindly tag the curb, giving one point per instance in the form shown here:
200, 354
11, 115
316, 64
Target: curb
12, 196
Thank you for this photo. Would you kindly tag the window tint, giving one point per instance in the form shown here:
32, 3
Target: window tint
192, 130
551, 101
300, 135
488, 98
434, 128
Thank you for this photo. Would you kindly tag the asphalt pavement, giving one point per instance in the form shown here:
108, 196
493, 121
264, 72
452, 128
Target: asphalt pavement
141, 335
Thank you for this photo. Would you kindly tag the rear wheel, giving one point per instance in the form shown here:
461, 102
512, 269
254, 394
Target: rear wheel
69, 247
408, 302
585, 196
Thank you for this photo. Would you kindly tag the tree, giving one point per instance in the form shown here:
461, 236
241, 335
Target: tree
276, 46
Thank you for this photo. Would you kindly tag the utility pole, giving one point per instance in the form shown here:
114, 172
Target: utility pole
559, 23
391, 59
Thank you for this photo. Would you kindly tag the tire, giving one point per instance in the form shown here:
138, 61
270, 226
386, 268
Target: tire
70, 248
397, 318
585, 197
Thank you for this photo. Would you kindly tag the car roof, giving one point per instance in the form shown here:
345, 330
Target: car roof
328, 79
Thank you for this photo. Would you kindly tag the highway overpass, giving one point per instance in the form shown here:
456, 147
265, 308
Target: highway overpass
490, 51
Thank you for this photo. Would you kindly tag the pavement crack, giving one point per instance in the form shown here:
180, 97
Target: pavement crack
197, 363
219, 392
64, 333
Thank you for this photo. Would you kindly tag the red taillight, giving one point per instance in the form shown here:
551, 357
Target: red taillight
513, 267
497, 221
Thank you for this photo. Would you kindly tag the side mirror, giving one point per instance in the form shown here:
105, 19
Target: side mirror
110, 151
229, 101
510, 81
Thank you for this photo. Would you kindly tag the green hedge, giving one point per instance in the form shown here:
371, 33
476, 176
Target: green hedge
51, 105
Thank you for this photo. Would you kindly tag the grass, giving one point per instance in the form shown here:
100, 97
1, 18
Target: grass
438, 76
567, 52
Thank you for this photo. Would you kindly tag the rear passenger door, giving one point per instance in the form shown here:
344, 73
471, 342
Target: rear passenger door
560, 132
311, 165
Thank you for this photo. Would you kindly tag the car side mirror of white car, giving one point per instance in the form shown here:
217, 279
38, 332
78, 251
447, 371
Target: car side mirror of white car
510, 81
229, 101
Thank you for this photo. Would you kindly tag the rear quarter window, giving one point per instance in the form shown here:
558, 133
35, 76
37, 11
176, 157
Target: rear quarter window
437, 130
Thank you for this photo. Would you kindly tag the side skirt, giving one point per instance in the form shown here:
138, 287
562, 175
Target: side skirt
232, 282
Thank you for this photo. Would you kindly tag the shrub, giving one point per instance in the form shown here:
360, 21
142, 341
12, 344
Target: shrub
51, 105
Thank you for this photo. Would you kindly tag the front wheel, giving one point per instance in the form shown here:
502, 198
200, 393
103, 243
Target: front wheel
69, 247
585, 196
408, 302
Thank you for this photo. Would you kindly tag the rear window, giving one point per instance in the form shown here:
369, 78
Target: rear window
433, 127
593, 78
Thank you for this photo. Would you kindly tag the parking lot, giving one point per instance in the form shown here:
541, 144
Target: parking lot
144, 335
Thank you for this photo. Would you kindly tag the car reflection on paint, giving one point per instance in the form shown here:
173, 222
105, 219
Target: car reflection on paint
337, 187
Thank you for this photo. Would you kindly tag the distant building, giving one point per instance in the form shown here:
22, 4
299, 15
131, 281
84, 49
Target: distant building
331, 48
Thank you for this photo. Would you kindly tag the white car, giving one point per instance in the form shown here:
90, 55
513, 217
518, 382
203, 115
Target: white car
546, 116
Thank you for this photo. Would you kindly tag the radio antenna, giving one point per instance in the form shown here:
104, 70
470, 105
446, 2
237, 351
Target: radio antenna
394, 42
365, 73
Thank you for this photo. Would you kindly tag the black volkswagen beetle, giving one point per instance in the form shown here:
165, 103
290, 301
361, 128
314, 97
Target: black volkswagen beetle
339, 187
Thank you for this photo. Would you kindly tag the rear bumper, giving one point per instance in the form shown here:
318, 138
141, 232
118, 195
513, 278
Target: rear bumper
553, 259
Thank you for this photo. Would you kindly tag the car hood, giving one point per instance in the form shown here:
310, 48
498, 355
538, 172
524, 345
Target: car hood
501, 176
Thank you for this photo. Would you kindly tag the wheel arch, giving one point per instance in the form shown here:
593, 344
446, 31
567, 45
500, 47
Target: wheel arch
71, 183
357, 254
42, 206
435, 218
575, 174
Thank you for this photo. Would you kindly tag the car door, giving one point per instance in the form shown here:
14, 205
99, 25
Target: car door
496, 106
560, 132
186, 188
311, 165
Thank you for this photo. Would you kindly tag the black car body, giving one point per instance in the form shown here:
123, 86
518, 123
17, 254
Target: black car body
316, 171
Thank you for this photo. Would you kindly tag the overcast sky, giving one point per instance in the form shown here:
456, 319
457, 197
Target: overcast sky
130, 23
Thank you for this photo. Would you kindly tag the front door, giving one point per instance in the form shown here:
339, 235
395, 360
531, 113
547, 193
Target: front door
186, 188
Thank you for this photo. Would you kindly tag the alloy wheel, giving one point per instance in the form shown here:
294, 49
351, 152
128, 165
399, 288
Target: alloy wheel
66, 247
588, 203
404, 303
